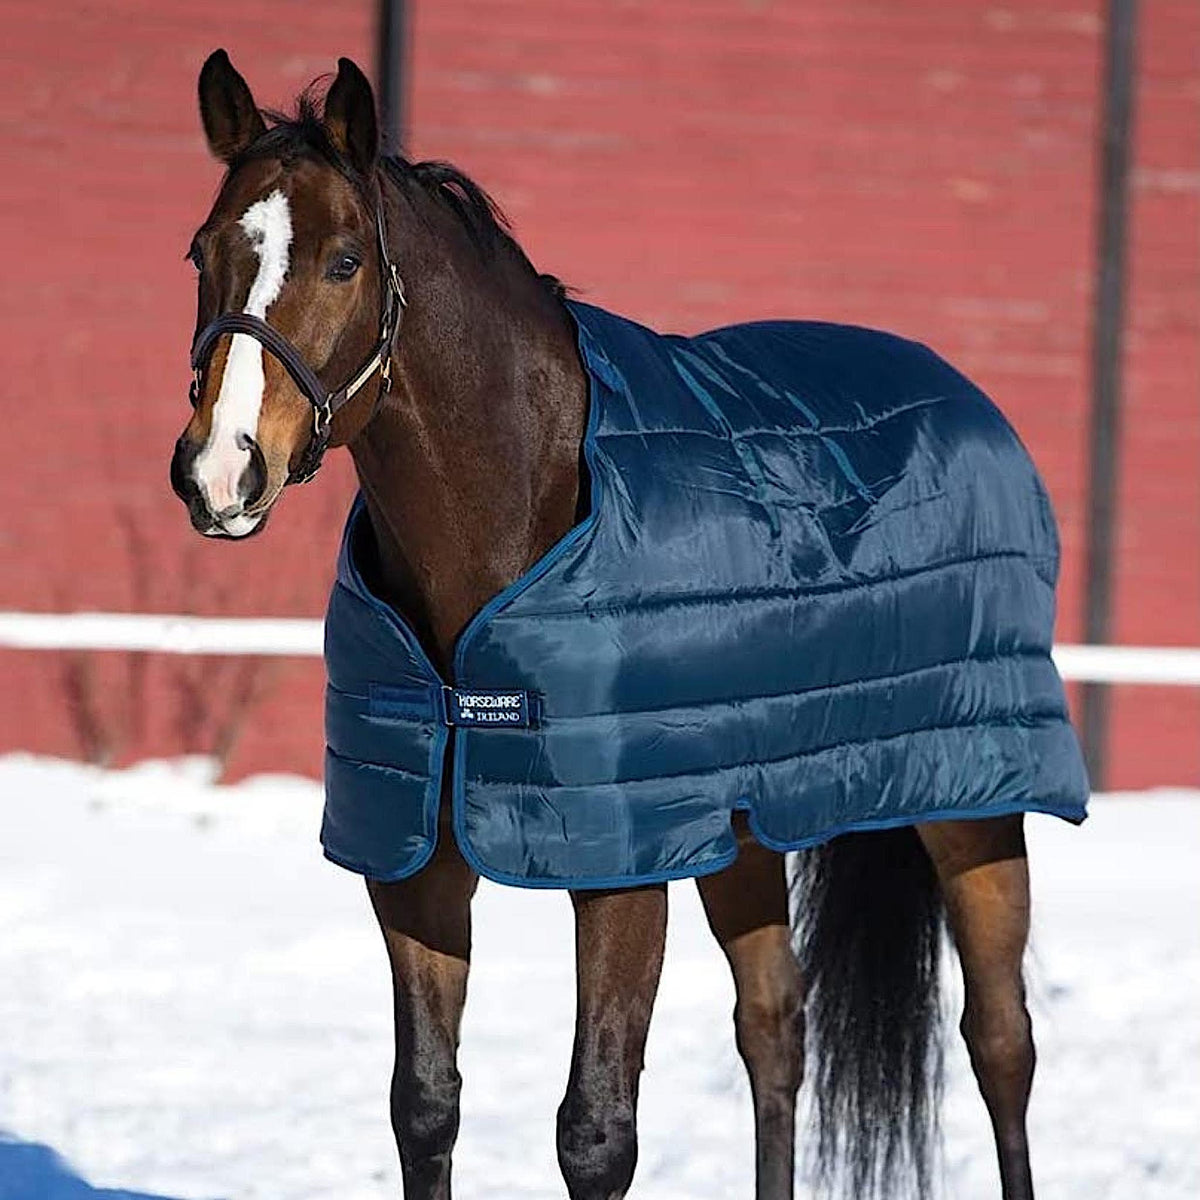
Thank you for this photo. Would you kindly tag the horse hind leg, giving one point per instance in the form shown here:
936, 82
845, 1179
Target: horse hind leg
619, 940
747, 910
984, 876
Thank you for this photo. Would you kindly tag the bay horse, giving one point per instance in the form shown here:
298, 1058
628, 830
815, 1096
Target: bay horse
443, 361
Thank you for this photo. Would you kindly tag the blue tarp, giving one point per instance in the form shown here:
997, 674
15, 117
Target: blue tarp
816, 583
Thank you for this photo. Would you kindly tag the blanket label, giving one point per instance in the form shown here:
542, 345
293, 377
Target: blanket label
473, 706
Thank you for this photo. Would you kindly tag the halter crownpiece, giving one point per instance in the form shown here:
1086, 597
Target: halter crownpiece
326, 404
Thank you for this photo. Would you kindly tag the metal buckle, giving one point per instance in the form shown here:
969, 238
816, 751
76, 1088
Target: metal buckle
315, 450
194, 388
322, 415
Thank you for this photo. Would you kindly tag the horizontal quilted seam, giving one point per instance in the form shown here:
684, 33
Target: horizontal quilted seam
757, 595
874, 682
788, 431
1031, 654
1027, 720
391, 768
856, 499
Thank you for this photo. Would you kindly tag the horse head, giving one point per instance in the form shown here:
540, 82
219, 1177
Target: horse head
298, 302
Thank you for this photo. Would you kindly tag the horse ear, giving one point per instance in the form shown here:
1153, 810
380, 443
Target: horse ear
350, 117
231, 118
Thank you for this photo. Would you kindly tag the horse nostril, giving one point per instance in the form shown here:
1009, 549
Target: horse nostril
253, 481
182, 483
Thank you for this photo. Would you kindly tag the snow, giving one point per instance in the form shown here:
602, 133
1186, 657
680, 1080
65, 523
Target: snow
197, 1007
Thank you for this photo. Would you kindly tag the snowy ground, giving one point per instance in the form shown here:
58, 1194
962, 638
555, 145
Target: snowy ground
196, 1007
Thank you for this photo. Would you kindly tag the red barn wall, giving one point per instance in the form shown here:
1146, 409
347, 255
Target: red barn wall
928, 167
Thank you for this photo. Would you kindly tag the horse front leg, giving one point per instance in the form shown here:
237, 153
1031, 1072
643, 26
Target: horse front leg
984, 877
619, 941
426, 924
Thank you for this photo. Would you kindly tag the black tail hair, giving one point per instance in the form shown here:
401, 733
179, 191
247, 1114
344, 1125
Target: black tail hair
869, 925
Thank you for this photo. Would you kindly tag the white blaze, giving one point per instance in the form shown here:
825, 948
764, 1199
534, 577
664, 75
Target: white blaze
219, 466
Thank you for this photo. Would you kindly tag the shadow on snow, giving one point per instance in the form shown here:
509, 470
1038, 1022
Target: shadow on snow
32, 1172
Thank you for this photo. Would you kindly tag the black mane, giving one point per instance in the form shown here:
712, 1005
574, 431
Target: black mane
301, 134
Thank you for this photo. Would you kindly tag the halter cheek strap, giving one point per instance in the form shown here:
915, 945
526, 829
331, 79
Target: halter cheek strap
325, 404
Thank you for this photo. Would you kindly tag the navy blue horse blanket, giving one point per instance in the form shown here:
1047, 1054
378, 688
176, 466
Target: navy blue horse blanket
816, 583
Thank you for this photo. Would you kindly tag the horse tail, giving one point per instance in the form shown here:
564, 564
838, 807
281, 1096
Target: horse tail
869, 925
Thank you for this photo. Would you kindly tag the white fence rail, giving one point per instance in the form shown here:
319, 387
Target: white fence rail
292, 636
1176, 665
165, 634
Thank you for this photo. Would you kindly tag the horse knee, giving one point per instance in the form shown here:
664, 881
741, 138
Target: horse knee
597, 1145
769, 1031
425, 1116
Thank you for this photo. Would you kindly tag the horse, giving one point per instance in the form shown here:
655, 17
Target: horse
407, 325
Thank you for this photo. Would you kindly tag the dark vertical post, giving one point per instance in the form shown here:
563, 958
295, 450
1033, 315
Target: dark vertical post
391, 49
1107, 331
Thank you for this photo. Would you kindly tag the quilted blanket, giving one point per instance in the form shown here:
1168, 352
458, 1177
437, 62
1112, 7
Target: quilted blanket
816, 584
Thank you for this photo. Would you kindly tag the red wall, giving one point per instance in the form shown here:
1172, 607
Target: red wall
928, 167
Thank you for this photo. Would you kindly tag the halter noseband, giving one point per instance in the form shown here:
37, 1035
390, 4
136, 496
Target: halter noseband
325, 403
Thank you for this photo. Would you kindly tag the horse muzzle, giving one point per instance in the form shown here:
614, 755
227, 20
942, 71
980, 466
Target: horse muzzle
224, 506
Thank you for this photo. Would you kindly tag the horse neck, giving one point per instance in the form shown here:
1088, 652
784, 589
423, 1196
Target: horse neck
470, 467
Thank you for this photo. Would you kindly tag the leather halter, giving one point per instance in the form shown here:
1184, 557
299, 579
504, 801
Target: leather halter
325, 403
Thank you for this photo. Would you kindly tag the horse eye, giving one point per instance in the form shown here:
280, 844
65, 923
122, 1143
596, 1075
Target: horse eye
344, 267
195, 257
